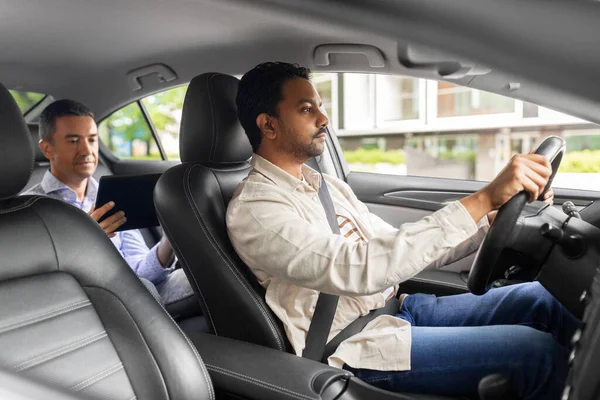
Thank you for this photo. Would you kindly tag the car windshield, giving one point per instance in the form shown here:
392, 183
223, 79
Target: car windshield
26, 100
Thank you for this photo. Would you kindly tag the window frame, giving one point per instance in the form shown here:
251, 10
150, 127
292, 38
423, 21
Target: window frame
146, 115
334, 78
148, 123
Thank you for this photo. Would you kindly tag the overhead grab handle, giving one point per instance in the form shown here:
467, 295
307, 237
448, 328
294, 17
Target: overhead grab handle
164, 74
373, 54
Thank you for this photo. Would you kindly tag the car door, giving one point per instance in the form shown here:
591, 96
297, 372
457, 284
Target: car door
409, 146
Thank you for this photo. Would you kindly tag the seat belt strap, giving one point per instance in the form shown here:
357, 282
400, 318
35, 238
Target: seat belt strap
391, 307
316, 346
322, 319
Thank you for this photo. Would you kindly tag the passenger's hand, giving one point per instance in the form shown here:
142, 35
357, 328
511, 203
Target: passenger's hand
524, 172
111, 223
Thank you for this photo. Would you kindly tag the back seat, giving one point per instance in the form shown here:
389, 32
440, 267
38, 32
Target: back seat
151, 235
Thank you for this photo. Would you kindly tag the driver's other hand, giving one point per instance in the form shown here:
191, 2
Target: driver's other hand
549, 196
111, 223
529, 172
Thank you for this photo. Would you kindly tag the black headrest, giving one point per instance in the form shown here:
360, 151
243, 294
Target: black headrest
210, 130
39, 157
16, 153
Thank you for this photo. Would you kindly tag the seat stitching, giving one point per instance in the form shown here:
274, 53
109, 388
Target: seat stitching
137, 328
214, 243
97, 378
28, 203
46, 315
193, 348
42, 358
258, 382
49, 236
195, 351
182, 257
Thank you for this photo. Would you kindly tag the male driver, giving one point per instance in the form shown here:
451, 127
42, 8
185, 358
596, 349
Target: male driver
442, 345
69, 139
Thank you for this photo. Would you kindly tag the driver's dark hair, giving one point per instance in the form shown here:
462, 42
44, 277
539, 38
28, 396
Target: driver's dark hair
60, 108
260, 91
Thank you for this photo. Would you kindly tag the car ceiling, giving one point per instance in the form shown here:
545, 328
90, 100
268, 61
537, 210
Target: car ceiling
83, 49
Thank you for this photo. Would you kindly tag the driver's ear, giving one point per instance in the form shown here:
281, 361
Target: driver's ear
265, 123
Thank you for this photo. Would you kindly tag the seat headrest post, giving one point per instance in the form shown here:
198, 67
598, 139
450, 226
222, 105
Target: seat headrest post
210, 130
16, 151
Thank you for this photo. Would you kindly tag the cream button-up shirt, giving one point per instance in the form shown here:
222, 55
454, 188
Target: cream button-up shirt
279, 229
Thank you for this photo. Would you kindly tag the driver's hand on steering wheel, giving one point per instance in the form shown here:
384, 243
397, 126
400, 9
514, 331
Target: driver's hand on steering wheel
529, 172
548, 198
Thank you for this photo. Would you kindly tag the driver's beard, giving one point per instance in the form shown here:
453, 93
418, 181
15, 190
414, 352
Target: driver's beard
300, 151
312, 150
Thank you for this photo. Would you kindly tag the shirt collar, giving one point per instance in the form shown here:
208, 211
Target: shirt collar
51, 184
282, 178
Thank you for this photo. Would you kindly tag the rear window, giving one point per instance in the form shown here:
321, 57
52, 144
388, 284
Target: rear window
26, 100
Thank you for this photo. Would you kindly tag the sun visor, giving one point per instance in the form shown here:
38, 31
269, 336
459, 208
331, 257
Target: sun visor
441, 65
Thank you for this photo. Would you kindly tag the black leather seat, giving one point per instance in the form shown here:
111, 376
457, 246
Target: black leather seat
191, 200
72, 313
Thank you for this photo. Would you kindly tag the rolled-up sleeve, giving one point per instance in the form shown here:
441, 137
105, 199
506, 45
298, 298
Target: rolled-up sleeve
143, 261
269, 235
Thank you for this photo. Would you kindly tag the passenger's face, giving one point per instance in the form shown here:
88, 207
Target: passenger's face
301, 124
73, 153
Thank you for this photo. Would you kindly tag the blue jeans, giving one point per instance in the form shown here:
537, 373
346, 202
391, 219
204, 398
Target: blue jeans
520, 331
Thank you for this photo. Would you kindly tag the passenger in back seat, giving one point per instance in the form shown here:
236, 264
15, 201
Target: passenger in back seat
69, 139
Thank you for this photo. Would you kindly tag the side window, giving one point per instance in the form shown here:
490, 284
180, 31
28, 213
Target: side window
26, 100
164, 110
128, 135
408, 126
141, 129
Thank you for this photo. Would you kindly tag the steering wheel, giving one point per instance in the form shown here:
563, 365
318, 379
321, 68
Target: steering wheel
486, 268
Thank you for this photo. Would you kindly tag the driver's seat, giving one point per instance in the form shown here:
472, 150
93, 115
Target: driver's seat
72, 312
191, 201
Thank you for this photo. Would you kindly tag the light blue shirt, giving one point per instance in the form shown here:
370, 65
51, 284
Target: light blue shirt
143, 261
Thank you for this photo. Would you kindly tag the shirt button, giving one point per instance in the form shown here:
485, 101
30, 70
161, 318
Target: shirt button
464, 232
426, 259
